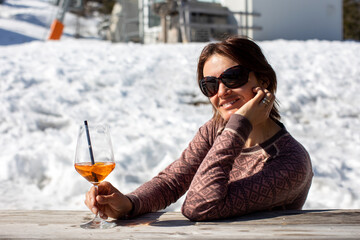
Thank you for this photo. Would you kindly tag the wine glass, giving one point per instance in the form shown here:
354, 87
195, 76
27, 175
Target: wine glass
94, 160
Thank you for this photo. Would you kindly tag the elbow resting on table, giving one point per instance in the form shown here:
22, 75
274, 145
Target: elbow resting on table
198, 213
192, 215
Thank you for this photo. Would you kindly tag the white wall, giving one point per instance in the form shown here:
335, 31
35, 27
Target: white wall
241, 20
294, 19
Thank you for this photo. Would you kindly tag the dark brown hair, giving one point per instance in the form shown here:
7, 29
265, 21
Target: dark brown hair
247, 53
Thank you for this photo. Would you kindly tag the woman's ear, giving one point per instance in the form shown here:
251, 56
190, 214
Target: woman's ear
264, 82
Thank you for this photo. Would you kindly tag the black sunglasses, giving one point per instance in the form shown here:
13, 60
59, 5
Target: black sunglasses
233, 77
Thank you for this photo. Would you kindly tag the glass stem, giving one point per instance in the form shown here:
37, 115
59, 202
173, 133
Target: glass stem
97, 218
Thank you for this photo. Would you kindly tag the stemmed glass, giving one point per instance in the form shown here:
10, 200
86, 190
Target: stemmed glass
94, 160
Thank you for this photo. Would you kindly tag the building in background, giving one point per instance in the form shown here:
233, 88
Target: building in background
150, 21
290, 19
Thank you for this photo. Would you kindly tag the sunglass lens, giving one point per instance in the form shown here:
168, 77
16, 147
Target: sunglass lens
236, 77
209, 86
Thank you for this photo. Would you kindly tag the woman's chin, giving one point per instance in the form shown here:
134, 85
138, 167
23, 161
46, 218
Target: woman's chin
226, 115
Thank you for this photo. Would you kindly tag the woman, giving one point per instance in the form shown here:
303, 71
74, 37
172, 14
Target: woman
242, 160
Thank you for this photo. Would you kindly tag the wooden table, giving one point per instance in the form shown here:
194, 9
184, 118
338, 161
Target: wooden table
309, 224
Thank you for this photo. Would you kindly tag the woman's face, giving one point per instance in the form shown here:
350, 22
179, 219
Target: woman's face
227, 101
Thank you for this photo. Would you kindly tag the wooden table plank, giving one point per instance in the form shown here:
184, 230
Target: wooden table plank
310, 224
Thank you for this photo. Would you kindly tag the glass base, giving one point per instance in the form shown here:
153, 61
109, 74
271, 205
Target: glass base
98, 223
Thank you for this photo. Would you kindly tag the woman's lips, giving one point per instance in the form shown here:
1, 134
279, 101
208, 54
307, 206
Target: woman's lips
229, 104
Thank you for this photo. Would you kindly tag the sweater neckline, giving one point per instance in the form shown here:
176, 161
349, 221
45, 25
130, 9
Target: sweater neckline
267, 142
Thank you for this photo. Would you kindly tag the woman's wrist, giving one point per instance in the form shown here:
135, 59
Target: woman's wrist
239, 124
129, 209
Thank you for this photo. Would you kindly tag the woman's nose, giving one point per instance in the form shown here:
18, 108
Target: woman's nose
223, 90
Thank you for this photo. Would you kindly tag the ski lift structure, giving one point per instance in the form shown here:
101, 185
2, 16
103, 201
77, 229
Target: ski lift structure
168, 21
171, 21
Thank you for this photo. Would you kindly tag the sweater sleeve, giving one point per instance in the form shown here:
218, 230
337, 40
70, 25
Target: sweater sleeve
170, 184
212, 196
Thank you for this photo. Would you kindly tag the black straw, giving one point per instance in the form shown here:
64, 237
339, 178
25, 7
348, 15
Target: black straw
89, 143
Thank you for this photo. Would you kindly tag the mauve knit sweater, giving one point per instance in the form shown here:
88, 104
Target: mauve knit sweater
224, 179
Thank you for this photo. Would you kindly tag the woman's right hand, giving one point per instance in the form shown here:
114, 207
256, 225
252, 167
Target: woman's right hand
255, 110
109, 201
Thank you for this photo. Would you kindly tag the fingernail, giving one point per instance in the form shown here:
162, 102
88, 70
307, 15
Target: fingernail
94, 210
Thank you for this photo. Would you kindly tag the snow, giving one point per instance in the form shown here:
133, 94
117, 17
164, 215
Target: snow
147, 95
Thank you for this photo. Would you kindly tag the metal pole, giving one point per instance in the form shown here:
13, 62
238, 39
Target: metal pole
63, 7
57, 26
182, 21
246, 18
141, 20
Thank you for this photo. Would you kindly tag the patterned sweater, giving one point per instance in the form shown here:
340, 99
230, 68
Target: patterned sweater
224, 179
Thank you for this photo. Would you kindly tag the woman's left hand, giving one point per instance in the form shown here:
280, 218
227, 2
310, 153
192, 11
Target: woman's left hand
257, 109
